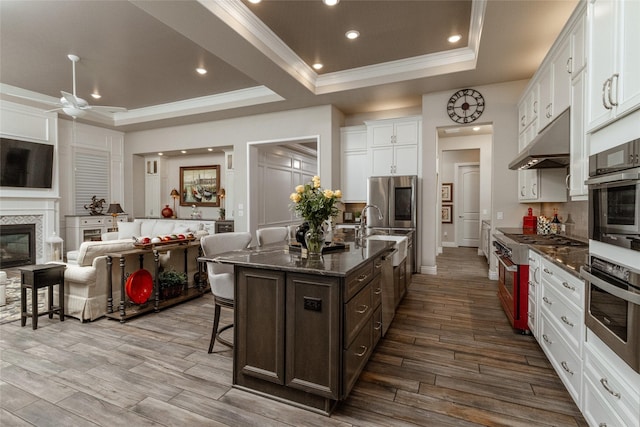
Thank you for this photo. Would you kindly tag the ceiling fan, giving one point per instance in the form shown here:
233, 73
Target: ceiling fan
74, 106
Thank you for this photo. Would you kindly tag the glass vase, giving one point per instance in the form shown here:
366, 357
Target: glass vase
314, 238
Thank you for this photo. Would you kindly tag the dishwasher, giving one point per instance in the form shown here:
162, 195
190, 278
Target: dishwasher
388, 290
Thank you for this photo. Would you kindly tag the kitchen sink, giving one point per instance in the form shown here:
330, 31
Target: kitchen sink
401, 246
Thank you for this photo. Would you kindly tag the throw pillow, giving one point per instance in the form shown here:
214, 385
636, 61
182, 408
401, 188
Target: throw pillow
128, 230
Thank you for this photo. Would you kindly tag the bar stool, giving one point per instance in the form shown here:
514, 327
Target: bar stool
35, 277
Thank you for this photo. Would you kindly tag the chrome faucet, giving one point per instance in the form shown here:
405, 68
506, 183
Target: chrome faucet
362, 230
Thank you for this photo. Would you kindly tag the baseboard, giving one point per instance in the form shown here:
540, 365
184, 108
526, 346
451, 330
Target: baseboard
449, 245
432, 269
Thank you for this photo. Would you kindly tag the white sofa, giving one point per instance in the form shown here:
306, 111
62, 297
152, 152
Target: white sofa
87, 272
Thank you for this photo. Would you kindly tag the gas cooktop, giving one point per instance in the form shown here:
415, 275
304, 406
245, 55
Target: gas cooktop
545, 240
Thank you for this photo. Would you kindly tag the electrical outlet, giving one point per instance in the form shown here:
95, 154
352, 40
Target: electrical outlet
446, 234
499, 215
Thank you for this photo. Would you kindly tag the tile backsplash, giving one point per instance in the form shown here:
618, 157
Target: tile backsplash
575, 216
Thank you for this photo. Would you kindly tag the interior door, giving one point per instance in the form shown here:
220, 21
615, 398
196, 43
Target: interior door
468, 200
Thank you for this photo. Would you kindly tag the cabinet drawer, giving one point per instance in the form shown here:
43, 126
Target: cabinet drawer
566, 363
357, 313
569, 320
355, 357
566, 284
611, 388
356, 280
377, 325
92, 221
531, 314
596, 411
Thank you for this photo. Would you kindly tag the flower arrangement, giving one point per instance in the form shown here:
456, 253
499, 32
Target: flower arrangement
314, 204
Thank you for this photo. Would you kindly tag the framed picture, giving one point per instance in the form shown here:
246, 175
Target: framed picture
447, 214
447, 192
199, 185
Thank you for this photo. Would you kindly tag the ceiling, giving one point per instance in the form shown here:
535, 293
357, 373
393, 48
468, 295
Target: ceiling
142, 55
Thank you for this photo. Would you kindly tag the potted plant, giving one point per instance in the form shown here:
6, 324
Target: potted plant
171, 283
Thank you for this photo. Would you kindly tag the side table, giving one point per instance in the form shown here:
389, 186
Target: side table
35, 277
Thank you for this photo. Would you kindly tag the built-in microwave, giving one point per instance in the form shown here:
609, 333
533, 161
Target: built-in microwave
614, 196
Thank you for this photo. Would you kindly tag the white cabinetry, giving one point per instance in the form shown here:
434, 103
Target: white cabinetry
534, 293
542, 185
611, 391
579, 156
88, 228
353, 167
393, 146
155, 182
614, 62
562, 325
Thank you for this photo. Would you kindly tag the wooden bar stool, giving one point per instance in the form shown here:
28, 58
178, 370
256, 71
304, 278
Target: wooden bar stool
35, 277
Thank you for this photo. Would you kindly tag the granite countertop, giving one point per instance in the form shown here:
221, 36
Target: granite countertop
568, 258
278, 257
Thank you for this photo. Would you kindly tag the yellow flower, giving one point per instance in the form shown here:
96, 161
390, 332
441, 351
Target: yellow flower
316, 181
299, 189
295, 197
328, 193
338, 194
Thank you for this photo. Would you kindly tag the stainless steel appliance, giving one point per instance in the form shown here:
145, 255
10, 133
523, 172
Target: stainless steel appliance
614, 196
613, 306
397, 199
512, 252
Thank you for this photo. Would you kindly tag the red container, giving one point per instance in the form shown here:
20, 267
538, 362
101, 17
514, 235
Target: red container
529, 223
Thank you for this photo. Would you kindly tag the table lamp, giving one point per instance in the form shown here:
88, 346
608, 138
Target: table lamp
175, 195
114, 210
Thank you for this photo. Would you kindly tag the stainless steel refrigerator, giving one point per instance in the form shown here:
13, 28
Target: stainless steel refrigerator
397, 199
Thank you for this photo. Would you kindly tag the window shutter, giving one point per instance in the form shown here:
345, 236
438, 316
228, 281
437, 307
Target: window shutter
91, 179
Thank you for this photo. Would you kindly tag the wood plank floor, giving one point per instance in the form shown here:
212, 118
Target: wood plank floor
449, 359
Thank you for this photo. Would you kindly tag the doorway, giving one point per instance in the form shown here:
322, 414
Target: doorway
467, 198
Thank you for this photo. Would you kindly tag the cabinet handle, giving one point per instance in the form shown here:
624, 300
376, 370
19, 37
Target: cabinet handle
361, 277
567, 184
549, 110
605, 384
536, 277
565, 320
378, 291
534, 189
546, 339
602, 425
535, 107
545, 299
363, 309
522, 191
378, 326
363, 352
568, 286
550, 273
604, 90
611, 101
530, 316
570, 65
566, 367
377, 265
522, 121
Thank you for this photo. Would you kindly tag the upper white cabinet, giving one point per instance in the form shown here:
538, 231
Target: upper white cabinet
393, 146
614, 62
353, 167
542, 185
579, 156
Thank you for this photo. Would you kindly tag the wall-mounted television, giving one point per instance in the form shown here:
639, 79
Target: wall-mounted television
25, 164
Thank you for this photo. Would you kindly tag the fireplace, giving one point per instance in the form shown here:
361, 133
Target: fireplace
17, 245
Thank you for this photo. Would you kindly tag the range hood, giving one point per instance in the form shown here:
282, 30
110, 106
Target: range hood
550, 149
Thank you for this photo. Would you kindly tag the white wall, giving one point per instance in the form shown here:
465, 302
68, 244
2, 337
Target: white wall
501, 111
324, 121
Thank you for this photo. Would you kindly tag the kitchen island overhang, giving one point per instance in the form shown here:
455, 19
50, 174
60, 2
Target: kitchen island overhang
304, 329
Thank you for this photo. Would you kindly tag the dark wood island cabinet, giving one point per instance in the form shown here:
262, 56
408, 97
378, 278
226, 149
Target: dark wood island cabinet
305, 329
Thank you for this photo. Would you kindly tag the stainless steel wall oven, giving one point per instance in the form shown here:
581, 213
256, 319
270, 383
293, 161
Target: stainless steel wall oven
613, 307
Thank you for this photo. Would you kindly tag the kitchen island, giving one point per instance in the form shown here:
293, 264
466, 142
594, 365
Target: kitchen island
304, 329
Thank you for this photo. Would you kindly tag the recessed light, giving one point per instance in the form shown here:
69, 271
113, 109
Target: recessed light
96, 95
455, 38
352, 34
331, 2
255, 1
201, 71
317, 66
476, 128
452, 130
183, 151
160, 154
209, 149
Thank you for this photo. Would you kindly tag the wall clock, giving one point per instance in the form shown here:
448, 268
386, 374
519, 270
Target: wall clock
465, 106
